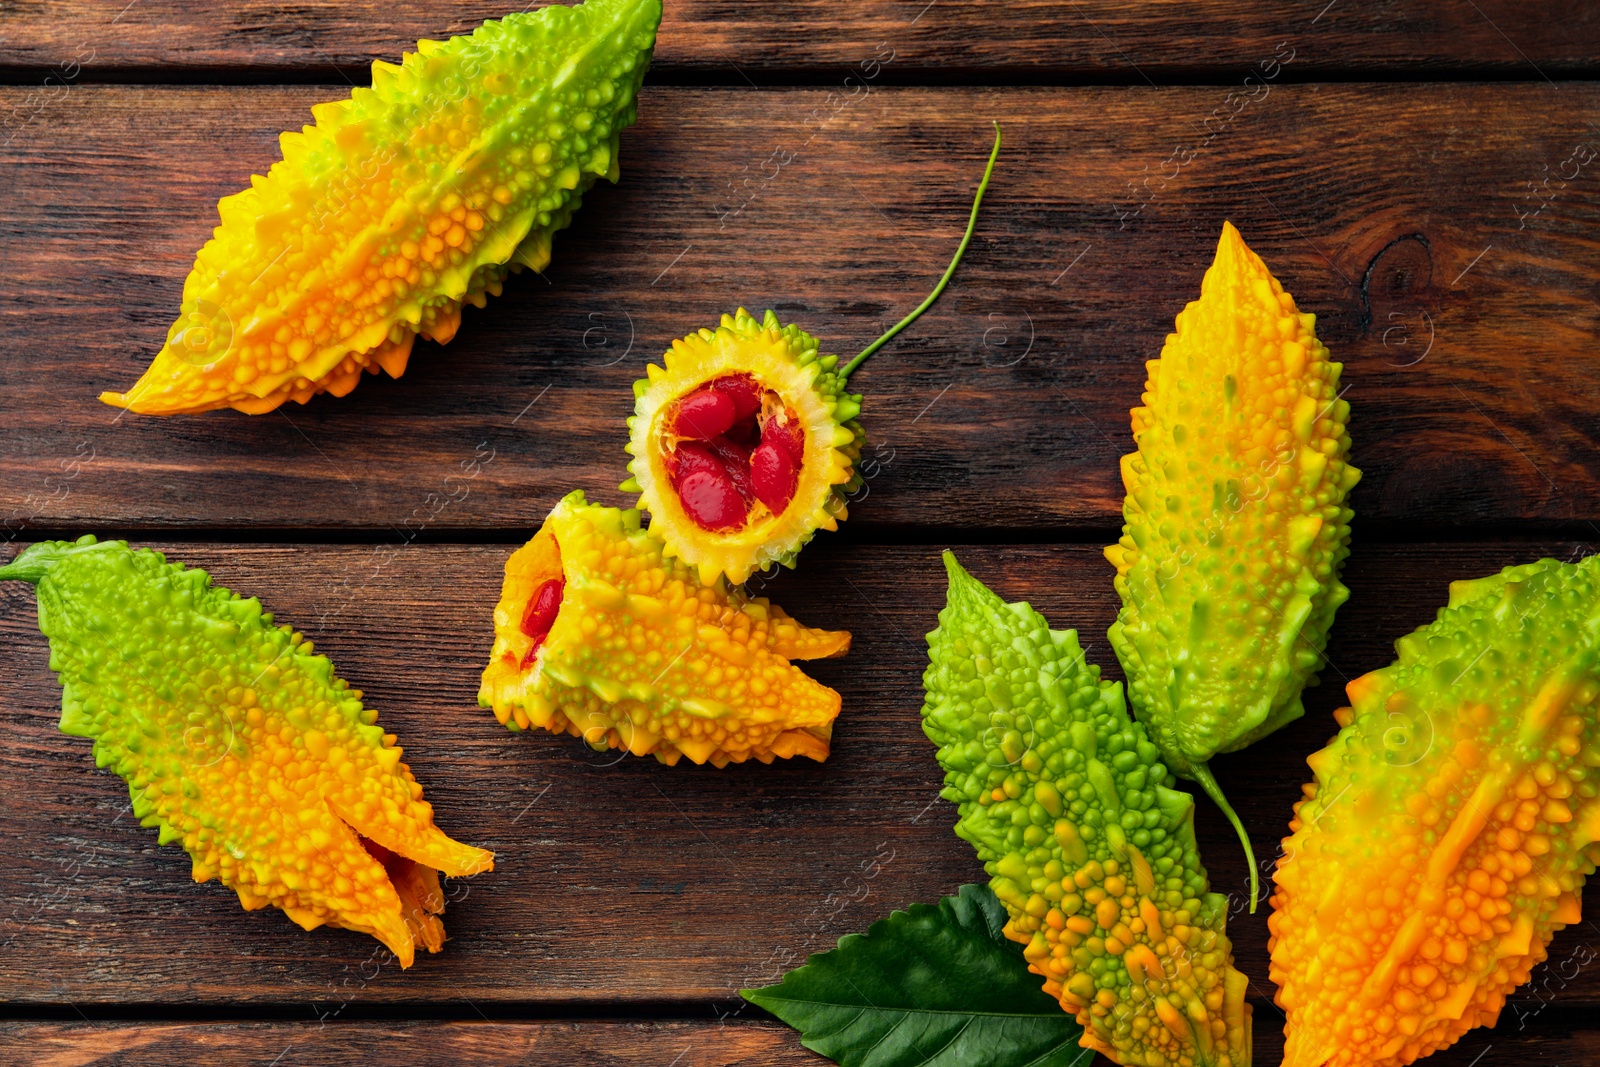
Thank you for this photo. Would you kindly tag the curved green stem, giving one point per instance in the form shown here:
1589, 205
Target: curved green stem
961, 250
1201, 773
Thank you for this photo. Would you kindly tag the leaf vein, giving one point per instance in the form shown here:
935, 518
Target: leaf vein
953, 1038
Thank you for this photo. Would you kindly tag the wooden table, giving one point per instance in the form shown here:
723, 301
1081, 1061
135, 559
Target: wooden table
1406, 168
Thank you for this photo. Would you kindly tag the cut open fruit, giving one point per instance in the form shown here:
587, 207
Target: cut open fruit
744, 445
745, 440
600, 635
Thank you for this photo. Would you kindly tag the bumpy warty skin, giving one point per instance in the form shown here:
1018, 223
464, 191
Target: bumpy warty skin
645, 657
1236, 524
240, 744
1088, 845
785, 359
1450, 826
413, 197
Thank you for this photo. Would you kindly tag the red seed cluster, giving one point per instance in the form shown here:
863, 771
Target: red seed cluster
738, 446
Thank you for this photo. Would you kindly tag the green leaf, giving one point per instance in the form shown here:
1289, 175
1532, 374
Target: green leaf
927, 987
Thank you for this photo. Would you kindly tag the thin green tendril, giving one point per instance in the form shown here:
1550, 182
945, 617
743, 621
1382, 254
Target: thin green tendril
972, 224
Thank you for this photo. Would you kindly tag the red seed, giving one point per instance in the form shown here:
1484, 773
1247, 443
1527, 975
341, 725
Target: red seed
774, 474
703, 415
543, 608
744, 391
734, 459
711, 500
541, 614
788, 435
691, 456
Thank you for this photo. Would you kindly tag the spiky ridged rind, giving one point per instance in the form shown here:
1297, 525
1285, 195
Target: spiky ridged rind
643, 656
1236, 527
399, 205
1088, 845
241, 744
786, 360
1450, 826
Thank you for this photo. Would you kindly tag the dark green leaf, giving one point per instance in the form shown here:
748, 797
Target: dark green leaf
927, 987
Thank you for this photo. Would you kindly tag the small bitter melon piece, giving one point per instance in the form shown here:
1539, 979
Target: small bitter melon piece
600, 634
745, 440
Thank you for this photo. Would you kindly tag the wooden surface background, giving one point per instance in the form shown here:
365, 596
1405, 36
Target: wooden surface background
1415, 172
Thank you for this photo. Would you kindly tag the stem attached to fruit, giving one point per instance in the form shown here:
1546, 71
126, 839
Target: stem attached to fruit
1201, 773
972, 224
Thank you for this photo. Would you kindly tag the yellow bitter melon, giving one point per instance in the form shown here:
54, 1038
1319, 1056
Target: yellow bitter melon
241, 744
1228, 566
399, 205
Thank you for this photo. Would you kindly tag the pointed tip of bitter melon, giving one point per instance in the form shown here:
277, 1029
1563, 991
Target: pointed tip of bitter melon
1087, 842
242, 745
1233, 253
747, 489
403, 204
601, 634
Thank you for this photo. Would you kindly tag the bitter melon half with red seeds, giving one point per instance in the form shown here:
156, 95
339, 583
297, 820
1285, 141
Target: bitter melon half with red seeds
600, 634
240, 744
406, 201
1450, 826
1228, 566
745, 441
1090, 849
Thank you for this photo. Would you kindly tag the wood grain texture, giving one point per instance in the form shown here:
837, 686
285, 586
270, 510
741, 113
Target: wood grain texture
588, 1044
1463, 318
1125, 40
421, 1044
620, 884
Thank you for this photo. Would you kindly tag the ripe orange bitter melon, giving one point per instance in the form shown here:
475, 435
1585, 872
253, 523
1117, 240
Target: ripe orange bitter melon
1450, 826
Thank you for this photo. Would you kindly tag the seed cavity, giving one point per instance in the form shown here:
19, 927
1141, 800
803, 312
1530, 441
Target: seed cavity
735, 453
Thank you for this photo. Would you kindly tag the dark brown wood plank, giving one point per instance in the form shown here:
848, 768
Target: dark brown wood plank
685, 1044
1395, 213
592, 1044
1126, 40
619, 882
